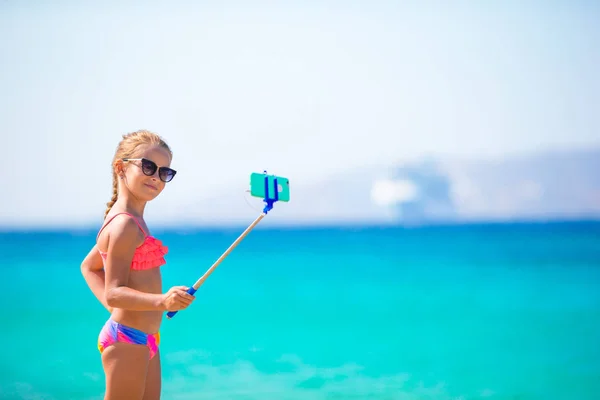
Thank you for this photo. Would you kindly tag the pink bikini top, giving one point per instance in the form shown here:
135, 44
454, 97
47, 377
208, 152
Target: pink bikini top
150, 254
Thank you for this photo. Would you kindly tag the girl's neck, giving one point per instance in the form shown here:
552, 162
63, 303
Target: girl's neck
131, 205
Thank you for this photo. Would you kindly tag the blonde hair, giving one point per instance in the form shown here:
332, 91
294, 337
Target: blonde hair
127, 148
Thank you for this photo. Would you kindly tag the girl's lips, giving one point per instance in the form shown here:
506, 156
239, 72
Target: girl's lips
150, 186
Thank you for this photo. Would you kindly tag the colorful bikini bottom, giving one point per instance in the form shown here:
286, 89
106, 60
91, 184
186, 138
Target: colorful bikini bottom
113, 332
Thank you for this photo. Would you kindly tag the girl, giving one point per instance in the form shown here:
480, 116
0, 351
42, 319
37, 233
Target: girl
122, 270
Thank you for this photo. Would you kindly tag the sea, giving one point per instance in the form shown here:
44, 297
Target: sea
499, 311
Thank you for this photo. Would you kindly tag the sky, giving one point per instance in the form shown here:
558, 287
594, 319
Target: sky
302, 89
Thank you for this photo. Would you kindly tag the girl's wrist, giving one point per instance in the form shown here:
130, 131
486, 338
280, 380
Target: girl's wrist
160, 302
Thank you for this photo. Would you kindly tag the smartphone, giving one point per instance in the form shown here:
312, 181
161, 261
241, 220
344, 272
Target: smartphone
258, 186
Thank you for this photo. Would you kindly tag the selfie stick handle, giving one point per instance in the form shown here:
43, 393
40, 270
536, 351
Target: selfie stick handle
267, 208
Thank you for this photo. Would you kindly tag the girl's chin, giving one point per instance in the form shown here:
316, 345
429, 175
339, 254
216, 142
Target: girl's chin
147, 194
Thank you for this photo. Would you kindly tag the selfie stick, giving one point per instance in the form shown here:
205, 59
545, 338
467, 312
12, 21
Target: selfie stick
268, 207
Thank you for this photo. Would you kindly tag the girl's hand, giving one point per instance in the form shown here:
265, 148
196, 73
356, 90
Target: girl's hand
177, 298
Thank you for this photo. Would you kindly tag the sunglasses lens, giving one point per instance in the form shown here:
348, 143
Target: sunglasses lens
148, 167
166, 174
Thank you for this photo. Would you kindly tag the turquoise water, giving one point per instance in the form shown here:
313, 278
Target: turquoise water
457, 312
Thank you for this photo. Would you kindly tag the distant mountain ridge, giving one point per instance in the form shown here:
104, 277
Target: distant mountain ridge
547, 185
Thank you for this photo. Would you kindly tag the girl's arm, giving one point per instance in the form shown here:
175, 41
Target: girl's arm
93, 273
122, 242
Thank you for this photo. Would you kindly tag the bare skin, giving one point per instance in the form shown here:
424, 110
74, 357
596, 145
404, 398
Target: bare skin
134, 298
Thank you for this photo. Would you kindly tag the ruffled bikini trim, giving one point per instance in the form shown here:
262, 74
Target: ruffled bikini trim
149, 255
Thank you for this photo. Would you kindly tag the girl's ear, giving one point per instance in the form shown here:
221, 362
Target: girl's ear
119, 167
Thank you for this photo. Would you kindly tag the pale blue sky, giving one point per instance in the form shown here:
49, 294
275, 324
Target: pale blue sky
304, 89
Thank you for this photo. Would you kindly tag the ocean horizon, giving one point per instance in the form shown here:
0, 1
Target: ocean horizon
460, 311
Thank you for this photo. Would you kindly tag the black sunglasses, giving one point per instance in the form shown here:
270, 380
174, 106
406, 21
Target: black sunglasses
149, 168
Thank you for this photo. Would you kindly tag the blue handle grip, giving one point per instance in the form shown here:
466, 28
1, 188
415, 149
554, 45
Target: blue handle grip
171, 314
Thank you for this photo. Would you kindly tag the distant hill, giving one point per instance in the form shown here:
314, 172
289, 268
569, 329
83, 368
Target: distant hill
548, 185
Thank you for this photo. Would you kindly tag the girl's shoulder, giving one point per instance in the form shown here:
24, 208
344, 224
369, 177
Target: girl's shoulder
125, 223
